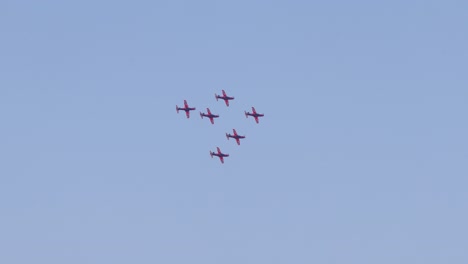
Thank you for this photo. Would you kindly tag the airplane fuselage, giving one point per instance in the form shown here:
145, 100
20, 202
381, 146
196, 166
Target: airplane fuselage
225, 97
209, 116
220, 155
235, 136
186, 109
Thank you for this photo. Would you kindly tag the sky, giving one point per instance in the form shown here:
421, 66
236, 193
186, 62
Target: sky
361, 156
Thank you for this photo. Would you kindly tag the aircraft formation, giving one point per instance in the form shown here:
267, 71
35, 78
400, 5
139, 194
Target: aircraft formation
212, 117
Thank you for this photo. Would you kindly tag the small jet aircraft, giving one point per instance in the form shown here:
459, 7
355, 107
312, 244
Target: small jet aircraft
209, 115
236, 136
220, 155
254, 114
224, 97
186, 108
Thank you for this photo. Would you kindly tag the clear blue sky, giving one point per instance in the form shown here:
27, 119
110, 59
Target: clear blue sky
361, 156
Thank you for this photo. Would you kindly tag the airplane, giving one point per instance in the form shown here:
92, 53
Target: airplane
186, 108
236, 136
209, 115
224, 97
254, 114
220, 155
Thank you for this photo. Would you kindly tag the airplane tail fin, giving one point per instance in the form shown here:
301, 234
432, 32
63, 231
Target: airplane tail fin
211, 154
201, 115
177, 108
245, 112
227, 136
216, 96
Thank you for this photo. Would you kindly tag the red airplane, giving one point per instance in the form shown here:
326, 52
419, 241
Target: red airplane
224, 97
209, 115
236, 136
186, 108
254, 114
220, 155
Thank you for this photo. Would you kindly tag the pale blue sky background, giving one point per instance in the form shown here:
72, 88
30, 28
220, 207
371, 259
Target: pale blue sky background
361, 156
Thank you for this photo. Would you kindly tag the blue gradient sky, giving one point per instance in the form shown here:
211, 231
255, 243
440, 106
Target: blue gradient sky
361, 156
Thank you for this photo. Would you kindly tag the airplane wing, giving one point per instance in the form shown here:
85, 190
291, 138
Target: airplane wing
253, 110
235, 132
187, 113
221, 158
185, 104
208, 111
212, 120
238, 141
219, 151
256, 119
224, 93
227, 102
